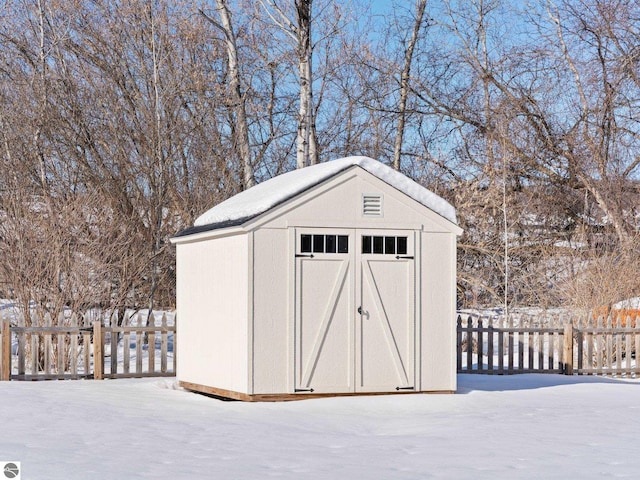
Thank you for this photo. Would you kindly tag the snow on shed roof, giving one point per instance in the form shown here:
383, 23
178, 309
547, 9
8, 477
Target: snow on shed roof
268, 194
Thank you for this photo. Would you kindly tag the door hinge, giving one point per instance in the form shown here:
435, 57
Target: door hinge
398, 257
302, 255
303, 390
405, 388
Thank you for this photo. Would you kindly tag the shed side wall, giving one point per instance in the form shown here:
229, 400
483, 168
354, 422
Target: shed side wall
438, 362
212, 305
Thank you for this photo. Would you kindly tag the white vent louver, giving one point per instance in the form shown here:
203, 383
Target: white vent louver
372, 205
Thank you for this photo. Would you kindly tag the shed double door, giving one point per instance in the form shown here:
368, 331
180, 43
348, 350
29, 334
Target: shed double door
354, 310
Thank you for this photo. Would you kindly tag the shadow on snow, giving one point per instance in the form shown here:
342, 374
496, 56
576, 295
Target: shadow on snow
468, 383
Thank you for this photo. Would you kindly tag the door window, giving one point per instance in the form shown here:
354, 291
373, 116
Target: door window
324, 243
384, 245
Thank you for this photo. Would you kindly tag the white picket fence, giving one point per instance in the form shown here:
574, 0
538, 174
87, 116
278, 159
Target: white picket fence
603, 346
89, 349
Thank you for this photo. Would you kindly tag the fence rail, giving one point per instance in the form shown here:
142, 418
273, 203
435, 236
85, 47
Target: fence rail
586, 347
90, 351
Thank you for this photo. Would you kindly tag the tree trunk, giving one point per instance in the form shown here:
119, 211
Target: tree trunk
239, 104
307, 149
404, 83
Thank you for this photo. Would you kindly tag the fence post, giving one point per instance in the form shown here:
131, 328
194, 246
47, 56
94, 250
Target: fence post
568, 348
98, 357
458, 344
5, 349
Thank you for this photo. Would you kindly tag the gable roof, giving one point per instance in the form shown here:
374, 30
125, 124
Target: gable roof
266, 195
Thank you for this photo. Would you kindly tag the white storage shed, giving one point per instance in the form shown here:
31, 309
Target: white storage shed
338, 278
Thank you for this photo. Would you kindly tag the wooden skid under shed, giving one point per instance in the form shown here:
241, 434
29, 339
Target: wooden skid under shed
287, 397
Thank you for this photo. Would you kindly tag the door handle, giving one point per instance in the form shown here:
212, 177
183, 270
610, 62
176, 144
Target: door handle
360, 309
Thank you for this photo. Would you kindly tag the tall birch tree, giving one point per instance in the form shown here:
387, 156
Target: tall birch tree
237, 97
299, 30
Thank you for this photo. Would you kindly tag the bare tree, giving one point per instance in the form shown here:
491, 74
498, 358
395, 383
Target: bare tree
405, 76
299, 30
237, 97
129, 148
500, 96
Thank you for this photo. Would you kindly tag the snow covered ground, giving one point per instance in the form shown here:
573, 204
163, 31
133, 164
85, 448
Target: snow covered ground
525, 426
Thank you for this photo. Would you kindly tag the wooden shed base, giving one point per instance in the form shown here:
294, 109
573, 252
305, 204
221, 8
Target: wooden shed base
286, 397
